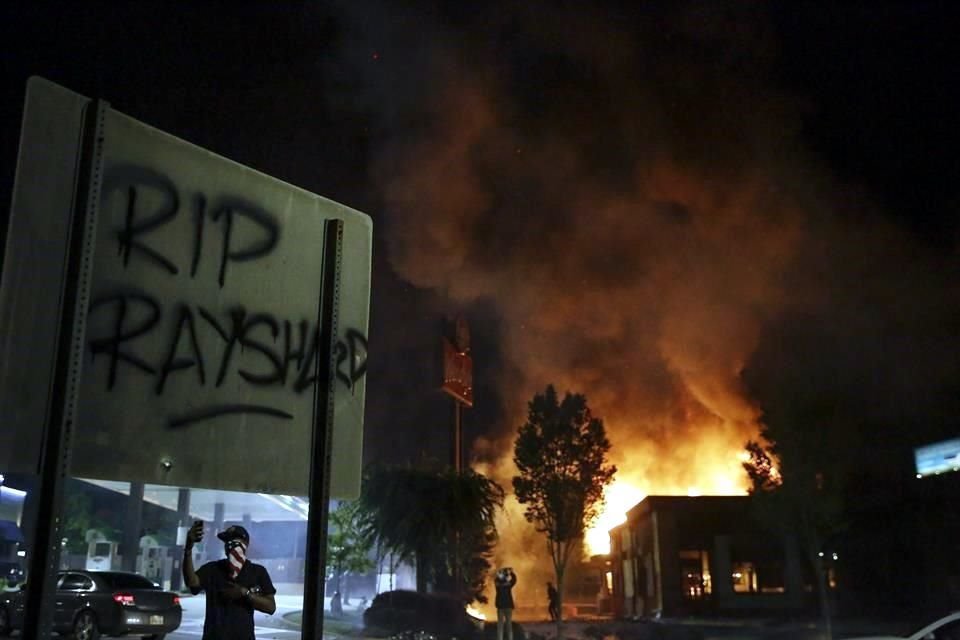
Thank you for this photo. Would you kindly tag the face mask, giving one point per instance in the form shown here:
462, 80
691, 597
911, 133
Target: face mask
236, 552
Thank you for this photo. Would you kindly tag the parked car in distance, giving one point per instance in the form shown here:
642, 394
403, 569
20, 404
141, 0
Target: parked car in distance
945, 628
111, 603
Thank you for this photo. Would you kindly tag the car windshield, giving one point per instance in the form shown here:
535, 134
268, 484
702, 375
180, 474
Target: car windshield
944, 630
127, 581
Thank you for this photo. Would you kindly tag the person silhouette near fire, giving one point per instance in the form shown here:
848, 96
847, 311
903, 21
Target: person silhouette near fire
504, 581
553, 602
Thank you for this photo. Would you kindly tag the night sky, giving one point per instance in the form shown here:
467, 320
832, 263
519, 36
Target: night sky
698, 214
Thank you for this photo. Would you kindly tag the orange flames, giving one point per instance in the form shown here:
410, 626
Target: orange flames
723, 476
711, 464
619, 497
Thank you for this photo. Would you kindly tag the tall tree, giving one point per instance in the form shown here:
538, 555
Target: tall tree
349, 544
561, 457
795, 490
438, 520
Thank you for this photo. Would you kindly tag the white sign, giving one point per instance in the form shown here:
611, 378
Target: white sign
201, 333
936, 458
34, 263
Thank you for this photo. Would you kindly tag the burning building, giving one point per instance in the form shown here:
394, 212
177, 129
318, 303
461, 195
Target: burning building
683, 555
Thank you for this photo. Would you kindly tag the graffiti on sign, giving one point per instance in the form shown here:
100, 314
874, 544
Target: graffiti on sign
154, 338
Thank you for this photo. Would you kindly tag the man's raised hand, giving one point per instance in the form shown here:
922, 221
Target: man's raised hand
195, 534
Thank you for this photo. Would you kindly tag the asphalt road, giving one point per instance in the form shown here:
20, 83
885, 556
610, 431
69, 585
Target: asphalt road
276, 628
267, 627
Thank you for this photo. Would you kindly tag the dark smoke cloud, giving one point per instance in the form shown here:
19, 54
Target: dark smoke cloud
628, 187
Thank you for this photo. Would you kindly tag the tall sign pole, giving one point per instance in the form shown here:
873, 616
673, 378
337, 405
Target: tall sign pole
457, 437
458, 382
321, 447
56, 446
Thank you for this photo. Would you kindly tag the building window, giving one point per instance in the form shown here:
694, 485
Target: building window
770, 578
749, 577
757, 566
695, 574
744, 577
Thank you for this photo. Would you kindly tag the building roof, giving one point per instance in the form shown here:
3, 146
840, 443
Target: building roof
651, 503
684, 504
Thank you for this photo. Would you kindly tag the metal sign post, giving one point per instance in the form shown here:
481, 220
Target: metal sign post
55, 450
321, 445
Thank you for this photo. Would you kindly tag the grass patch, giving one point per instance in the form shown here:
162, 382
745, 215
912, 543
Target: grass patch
331, 625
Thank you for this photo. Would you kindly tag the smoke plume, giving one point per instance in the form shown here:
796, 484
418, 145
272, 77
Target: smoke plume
625, 200
630, 189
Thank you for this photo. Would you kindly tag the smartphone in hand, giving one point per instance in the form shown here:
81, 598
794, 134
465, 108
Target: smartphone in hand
195, 534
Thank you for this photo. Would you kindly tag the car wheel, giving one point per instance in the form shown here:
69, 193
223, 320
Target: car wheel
159, 636
85, 626
4, 622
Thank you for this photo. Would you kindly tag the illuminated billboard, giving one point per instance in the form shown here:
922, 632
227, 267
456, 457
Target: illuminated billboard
937, 458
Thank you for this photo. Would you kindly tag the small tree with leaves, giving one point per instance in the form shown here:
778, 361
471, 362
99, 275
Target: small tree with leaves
442, 521
349, 544
561, 457
80, 517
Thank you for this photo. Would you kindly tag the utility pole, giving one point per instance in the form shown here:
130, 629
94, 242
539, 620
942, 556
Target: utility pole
458, 383
457, 436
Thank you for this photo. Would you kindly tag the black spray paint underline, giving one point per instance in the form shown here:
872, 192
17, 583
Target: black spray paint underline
210, 413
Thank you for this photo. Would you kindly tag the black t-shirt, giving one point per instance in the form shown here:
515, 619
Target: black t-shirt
504, 599
231, 619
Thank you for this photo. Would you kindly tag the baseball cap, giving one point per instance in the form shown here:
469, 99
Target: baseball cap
234, 532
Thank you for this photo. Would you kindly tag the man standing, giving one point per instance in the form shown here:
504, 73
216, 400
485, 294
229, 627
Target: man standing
234, 585
504, 581
553, 598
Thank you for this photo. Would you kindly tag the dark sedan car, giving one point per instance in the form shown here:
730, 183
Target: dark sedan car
112, 603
